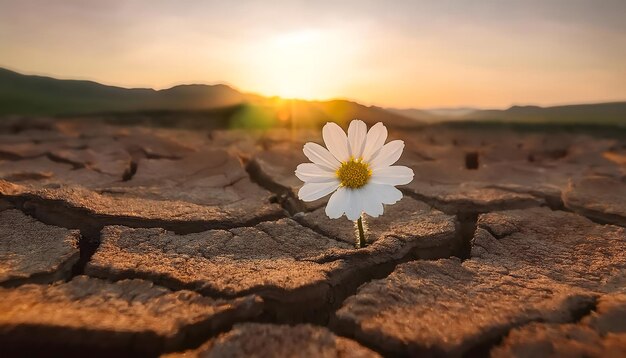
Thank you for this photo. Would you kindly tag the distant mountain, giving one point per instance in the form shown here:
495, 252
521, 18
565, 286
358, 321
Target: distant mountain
26, 94
598, 113
37, 95
418, 114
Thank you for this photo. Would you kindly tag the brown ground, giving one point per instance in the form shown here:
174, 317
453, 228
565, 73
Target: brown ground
148, 241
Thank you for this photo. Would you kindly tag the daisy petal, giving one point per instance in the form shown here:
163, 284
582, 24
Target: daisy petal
394, 175
314, 191
337, 203
372, 204
387, 194
336, 141
320, 156
313, 173
354, 204
357, 131
387, 155
375, 139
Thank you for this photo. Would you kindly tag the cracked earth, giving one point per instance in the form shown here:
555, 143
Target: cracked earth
138, 241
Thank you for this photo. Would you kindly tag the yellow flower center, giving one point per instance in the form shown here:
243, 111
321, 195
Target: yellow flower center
353, 174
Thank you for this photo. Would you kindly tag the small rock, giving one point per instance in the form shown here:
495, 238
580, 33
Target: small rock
599, 198
31, 251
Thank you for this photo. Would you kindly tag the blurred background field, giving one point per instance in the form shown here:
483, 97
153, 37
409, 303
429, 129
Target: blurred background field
223, 107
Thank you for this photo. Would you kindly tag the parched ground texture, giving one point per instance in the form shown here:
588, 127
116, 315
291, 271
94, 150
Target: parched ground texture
144, 241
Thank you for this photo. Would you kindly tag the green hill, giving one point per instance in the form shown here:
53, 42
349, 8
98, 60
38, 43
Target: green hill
25, 94
589, 114
36, 95
611, 114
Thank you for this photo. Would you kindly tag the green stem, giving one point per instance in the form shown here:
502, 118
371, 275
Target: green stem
361, 243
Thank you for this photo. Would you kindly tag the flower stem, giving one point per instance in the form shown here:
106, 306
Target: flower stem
361, 239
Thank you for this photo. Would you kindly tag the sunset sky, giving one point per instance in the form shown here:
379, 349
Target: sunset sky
389, 53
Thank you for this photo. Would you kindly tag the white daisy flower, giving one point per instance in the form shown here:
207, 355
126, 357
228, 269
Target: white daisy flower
358, 168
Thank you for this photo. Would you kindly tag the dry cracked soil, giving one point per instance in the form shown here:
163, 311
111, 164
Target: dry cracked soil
145, 241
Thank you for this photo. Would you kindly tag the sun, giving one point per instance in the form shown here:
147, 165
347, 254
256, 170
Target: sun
306, 64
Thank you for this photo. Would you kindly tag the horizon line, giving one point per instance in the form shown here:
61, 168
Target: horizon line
328, 99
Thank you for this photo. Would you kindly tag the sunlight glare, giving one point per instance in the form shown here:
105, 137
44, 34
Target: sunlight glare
305, 64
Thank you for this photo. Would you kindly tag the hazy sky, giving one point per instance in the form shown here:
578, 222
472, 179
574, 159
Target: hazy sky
390, 53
